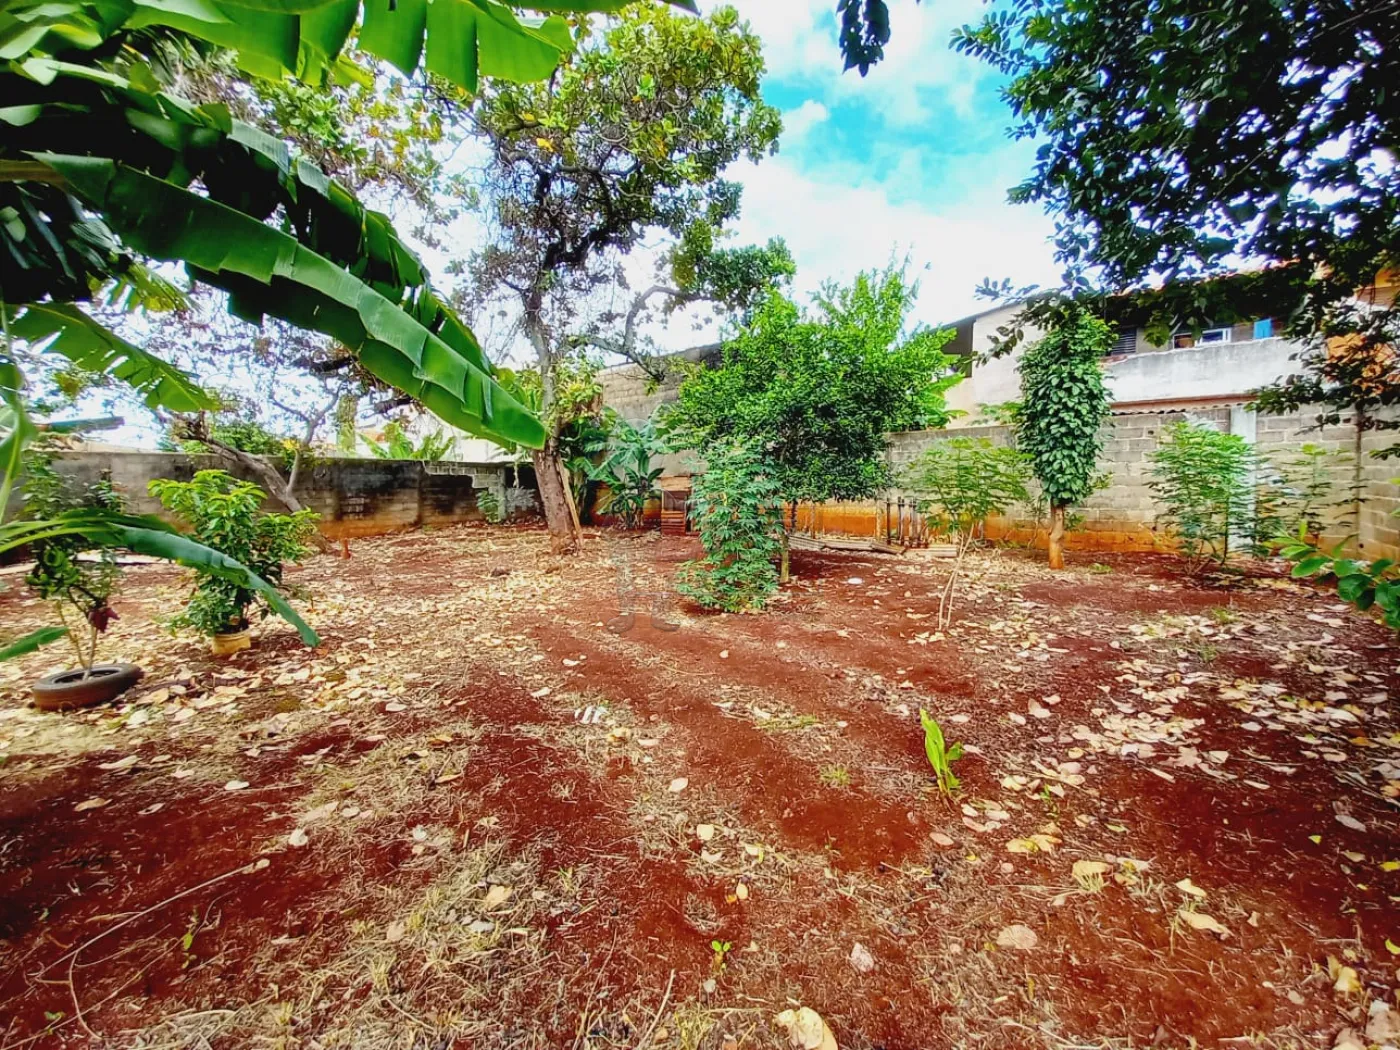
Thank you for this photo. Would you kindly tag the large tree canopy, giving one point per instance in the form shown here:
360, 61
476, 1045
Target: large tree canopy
815, 391
1181, 141
630, 139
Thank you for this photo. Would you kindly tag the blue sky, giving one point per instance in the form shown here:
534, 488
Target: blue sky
912, 158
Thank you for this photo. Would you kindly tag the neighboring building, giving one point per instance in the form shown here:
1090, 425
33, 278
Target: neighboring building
1219, 367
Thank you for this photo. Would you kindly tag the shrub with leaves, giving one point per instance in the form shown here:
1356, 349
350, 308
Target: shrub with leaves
490, 506
1362, 584
76, 575
1064, 402
961, 482
1202, 478
736, 506
627, 471
223, 512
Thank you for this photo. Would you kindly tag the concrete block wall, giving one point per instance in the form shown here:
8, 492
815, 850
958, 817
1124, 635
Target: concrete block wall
1121, 516
355, 497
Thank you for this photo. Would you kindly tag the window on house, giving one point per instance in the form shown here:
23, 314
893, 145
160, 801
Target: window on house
1126, 343
1264, 328
1185, 339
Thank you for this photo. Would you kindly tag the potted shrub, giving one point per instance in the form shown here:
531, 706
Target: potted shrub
79, 579
224, 513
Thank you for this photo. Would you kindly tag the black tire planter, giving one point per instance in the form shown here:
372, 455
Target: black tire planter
71, 690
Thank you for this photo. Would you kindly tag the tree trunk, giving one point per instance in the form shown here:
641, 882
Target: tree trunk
783, 560
1057, 537
556, 500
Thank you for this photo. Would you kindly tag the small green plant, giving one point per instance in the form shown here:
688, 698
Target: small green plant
224, 513
835, 776
940, 756
1100, 569
1202, 479
735, 503
1359, 583
1221, 615
961, 482
628, 473
394, 442
490, 506
721, 950
75, 575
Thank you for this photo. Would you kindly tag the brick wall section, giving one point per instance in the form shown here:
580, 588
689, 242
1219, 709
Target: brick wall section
355, 497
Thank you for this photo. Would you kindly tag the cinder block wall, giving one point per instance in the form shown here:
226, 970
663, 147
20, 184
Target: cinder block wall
355, 497
1121, 516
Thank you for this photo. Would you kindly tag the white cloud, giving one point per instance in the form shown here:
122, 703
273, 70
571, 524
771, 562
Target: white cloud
798, 122
919, 70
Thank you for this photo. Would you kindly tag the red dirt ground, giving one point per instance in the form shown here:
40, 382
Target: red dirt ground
443, 701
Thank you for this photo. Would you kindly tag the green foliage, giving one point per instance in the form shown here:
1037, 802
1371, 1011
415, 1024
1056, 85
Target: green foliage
223, 514
243, 434
490, 506
1304, 496
627, 470
1201, 477
735, 507
1063, 404
940, 756
78, 576
816, 391
394, 443
1178, 140
98, 161
1361, 583
964, 481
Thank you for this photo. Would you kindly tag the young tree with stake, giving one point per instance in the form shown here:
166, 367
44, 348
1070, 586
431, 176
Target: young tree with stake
1063, 404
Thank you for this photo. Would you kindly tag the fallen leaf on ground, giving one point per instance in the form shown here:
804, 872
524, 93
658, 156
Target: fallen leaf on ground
1017, 936
806, 1030
861, 960
704, 832
678, 785
1187, 886
395, 932
121, 763
297, 838
235, 785
92, 803
495, 897
1199, 920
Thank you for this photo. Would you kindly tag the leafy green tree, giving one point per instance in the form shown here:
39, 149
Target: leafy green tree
1202, 477
631, 138
1176, 140
737, 511
1063, 405
815, 392
225, 515
961, 482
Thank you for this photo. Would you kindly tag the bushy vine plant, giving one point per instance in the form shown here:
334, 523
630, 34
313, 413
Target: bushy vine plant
737, 508
627, 470
1064, 402
222, 512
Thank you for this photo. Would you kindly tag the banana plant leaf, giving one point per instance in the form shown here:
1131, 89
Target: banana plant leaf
32, 641
455, 39
147, 534
269, 272
64, 329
